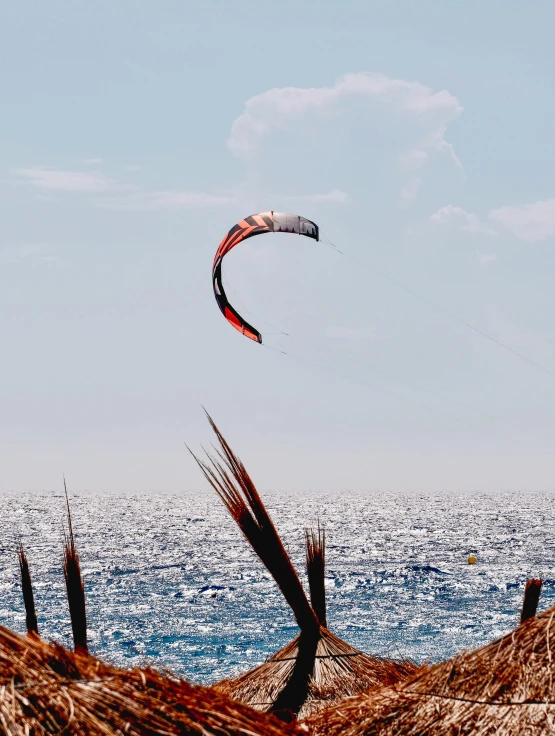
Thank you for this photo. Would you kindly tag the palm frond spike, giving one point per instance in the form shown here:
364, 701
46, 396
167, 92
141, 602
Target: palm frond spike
316, 570
75, 587
229, 478
27, 589
531, 599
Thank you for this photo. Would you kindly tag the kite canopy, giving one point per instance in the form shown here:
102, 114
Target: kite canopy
263, 222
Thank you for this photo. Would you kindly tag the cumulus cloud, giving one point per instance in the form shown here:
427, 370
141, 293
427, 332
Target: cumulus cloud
461, 220
67, 181
531, 222
276, 108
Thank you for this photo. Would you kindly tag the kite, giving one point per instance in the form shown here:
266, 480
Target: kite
263, 222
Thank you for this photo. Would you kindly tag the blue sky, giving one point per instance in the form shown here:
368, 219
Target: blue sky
417, 135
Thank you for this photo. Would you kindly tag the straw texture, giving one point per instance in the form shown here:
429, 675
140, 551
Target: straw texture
339, 670
45, 689
506, 688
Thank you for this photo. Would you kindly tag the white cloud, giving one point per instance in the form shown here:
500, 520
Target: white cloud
168, 200
276, 108
122, 197
531, 222
461, 220
67, 181
486, 259
334, 196
410, 192
416, 157
437, 140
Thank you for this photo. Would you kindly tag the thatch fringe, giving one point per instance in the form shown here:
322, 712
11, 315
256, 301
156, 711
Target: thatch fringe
45, 689
532, 593
27, 589
339, 671
75, 587
316, 570
506, 688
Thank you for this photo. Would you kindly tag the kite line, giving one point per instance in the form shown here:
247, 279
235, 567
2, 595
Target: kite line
282, 222
438, 307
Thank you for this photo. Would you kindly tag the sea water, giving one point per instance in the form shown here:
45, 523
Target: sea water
171, 582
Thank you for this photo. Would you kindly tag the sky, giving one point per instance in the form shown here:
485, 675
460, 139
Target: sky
419, 136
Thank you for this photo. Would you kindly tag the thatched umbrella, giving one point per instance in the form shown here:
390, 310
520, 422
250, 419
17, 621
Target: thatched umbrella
45, 689
506, 688
317, 667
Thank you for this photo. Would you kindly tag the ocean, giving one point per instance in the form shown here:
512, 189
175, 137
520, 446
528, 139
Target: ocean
171, 582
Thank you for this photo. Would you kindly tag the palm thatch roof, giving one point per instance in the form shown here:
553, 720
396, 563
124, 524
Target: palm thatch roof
45, 689
317, 667
338, 671
506, 688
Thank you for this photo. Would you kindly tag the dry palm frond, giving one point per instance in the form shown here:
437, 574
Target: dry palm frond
75, 587
229, 478
317, 667
316, 570
46, 690
506, 688
532, 593
27, 589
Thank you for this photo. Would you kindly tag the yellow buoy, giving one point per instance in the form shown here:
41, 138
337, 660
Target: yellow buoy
471, 560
